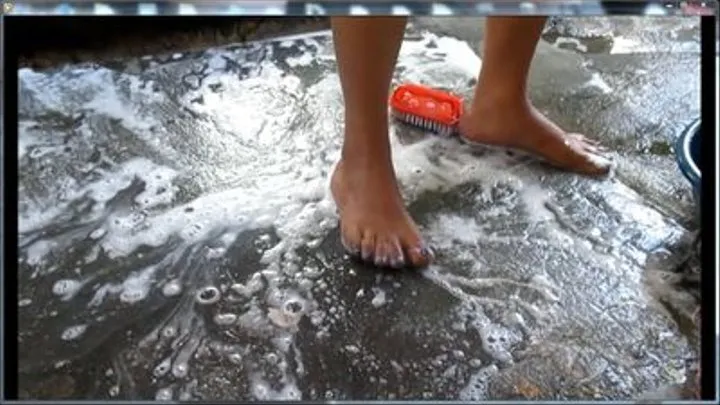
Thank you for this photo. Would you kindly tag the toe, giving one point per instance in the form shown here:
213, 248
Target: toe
383, 252
421, 256
598, 153
580, 138
596, 149
597, 164
367, 248
588, 156
590, 149
351, 239
397, 257
587, 144
418, 254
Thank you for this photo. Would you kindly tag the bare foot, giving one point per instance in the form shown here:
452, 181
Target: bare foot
374, 222
520, 125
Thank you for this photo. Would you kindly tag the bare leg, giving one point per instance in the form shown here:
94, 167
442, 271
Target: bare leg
374, 222
502, 113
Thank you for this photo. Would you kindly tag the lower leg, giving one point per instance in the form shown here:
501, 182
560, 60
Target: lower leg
374, 222
502, 113
509, 48
366, 51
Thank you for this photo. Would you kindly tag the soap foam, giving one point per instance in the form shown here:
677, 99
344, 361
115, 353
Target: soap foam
477, 386
453, 63
278, 180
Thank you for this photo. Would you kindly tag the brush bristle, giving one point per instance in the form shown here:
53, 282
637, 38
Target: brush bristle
424, 123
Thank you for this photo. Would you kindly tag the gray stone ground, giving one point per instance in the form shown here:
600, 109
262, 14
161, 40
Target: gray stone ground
146, 184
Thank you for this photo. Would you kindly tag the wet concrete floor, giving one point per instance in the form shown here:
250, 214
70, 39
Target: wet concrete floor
177, 241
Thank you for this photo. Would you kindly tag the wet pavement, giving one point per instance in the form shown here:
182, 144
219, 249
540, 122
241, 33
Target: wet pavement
177, 241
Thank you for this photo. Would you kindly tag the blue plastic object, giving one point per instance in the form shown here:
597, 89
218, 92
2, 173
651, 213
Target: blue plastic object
687, 153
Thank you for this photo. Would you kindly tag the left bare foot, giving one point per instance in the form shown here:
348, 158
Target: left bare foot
520, 125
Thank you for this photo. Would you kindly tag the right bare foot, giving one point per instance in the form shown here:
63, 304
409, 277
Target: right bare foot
374, 223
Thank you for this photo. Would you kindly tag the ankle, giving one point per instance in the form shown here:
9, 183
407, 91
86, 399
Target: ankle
365, 144
497, 96
364, 156
492, 102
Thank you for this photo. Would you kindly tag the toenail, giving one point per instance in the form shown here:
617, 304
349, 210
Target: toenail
366, 255
397, 262
381, 261
427, 251
349, 246
351, 250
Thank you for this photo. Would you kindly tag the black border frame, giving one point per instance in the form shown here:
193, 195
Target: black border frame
10, 235
709, 207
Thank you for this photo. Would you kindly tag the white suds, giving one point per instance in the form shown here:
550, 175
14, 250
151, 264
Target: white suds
304, 59
73, 332
379, 299
598, 82
66, 288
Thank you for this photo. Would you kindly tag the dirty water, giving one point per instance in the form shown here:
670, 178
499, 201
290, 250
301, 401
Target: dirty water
177, 240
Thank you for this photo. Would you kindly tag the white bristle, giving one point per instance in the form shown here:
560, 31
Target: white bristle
423, 123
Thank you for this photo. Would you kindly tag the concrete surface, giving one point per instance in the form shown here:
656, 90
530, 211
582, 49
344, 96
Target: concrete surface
176, 240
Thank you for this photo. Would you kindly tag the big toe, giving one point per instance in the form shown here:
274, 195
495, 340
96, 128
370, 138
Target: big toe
593, 161
597, 164
420, 257
417, 253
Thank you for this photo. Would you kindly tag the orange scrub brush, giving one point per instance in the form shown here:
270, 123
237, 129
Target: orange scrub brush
430, 109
